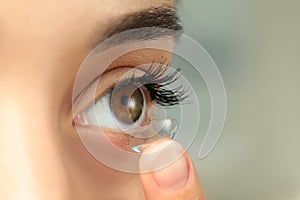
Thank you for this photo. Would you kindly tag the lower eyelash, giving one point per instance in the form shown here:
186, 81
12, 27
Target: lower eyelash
155, 80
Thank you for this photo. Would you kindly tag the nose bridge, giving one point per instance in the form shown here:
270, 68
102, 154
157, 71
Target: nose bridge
31, 162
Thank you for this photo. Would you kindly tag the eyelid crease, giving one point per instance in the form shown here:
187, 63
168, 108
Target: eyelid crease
141, 67
121, 71
87, 89
145, 69
108, 83
107, 80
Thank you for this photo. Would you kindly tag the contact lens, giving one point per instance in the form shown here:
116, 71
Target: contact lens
163, 129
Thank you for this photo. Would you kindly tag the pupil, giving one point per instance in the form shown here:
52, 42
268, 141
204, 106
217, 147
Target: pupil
124, 100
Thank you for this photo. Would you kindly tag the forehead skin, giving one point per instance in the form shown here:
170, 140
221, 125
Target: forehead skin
56, 35
63, 21
42, 44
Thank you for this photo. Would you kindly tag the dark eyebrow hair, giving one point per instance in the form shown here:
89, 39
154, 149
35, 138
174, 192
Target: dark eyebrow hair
164, 21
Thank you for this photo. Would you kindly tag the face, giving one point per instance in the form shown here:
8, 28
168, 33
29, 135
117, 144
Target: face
43, 44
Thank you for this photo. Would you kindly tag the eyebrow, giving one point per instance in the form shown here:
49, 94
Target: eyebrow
163, 19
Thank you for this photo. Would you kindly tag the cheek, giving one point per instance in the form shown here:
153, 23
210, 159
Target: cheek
94, 179
29, 146
40, 147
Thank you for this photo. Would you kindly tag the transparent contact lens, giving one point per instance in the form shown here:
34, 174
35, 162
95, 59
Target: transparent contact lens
164, 129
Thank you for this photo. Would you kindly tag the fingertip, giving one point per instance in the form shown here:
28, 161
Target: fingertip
167, 172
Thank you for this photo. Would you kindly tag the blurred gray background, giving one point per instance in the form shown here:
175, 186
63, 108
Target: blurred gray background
256, 45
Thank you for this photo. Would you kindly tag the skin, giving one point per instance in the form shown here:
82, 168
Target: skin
42, 44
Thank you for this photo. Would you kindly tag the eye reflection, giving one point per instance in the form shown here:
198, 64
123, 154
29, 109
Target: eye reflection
128, 104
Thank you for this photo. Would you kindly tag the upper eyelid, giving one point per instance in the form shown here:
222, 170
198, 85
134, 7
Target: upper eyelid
146, 71
140, 57
145, 68
100, 91
134, 59
114, 83
101, 59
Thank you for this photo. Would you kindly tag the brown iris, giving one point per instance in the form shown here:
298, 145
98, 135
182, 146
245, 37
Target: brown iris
127, 104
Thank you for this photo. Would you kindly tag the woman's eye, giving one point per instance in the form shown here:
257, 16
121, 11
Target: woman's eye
119, 108
135, 106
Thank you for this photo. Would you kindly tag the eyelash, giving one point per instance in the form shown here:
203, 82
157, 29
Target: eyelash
155, 81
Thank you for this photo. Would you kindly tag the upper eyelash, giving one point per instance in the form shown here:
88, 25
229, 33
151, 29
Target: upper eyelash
154, 80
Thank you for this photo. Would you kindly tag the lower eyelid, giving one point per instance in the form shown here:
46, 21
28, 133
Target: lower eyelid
121, 139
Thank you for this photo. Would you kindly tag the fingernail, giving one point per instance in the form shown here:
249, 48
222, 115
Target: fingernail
172, 165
